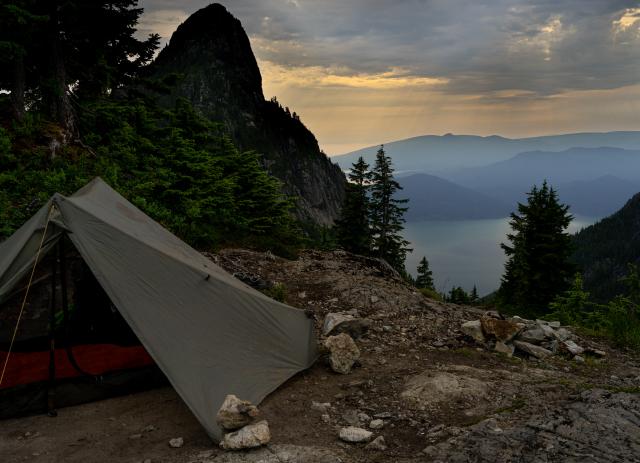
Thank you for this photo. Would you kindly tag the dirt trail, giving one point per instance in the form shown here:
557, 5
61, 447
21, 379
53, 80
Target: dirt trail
442, 397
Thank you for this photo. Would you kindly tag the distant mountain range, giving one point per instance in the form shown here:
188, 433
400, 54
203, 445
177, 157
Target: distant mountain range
436, 154
485, 177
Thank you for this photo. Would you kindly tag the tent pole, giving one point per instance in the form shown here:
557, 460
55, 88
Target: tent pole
51, 410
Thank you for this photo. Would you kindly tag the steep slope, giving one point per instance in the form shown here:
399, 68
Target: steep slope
434, 198
433, 154
604, 249
218, 73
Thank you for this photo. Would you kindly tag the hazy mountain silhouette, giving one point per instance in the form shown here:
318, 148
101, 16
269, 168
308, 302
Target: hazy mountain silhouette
434, 154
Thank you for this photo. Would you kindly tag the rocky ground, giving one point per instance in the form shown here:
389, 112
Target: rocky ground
430, 390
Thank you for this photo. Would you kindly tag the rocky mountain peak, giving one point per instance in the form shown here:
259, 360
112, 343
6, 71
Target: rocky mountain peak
218, 73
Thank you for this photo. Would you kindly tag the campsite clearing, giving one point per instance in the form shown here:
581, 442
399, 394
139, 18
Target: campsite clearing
428, 382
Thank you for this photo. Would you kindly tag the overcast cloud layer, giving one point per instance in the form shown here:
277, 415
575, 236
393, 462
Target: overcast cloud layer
362, 72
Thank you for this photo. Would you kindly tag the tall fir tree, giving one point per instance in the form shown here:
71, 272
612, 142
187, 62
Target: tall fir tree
353, 232
54, 51
474, 295
538, 267
424, 279
387, 214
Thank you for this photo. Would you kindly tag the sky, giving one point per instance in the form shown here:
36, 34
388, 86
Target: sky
365, 72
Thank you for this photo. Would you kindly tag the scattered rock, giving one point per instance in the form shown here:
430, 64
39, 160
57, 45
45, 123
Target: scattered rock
355, 434
578, 359
336, 323
507, 349
343, 353
376, 424
532, 349
377, 444
571, 347
235, 413
250, 436
279, 454
176, 442
320, 406
473, 329
502, 330
533, 335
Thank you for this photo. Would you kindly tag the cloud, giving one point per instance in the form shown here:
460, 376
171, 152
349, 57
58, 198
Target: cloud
407, 67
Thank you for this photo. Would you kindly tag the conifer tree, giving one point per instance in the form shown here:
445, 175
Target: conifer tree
474, 294
387, 216
353, 232
424, 279
538, 267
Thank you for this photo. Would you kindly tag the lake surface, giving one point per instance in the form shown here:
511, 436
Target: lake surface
465, 252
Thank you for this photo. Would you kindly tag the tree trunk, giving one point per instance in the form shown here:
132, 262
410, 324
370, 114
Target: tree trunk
17, 89
58, 99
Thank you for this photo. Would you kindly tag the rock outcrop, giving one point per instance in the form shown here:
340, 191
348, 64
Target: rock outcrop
219, 75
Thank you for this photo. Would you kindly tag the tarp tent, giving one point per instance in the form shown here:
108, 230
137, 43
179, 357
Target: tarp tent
211, 334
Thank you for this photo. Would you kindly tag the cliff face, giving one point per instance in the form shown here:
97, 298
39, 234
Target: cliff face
219, 75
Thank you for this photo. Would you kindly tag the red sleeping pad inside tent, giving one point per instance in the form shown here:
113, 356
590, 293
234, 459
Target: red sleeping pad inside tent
95, 359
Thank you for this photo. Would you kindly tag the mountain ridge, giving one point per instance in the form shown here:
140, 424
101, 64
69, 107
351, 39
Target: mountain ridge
436, 154
217, 72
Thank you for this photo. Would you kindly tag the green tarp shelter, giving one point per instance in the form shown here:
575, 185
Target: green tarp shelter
211, 334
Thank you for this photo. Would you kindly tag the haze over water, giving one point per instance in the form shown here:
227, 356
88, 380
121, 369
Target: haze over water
465, 252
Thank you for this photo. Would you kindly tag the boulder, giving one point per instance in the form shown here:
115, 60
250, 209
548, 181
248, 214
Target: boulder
235, 413
473, 329
251, 436
336, 323
561, 334
532, 349
502, 330
548, 331
343, 353
355, 434
533, 335
571, 348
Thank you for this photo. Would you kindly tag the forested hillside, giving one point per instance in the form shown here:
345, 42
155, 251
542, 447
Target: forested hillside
604, 250
80, 102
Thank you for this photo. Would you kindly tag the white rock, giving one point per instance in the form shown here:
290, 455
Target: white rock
532, 335
503, 348
235, 413
251, 436
354, 434
473, 328
176, 442
578, 359
343, 353
320, 406
376, 424
571, 347
343, 322
532, 349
